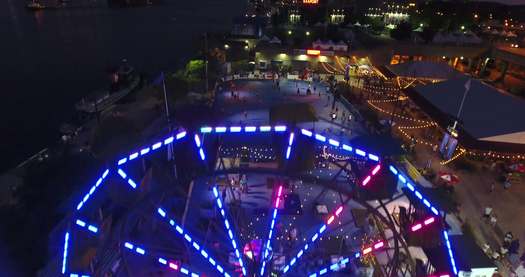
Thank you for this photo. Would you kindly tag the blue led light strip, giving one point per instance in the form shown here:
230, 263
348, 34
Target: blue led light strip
405, 180
181, 232
333, 267
239, 129
92, 190
89, 227
312, 240
336, 266
228, 229
163, 261
78, 275
267, 245
199, 143
339, 145
148, 149
290, 143
64, 255
126, 178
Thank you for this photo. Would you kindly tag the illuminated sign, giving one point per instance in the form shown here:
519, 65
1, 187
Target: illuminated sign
310, 1
313, 52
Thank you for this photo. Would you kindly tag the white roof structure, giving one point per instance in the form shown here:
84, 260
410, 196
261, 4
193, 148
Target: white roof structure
488, 114
275, 40
456, 38
330, 45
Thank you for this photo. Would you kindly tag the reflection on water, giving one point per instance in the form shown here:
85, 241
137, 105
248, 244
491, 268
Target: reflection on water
50, 58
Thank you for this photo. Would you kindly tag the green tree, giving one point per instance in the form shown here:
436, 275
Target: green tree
403, 31
428, 34
194, 70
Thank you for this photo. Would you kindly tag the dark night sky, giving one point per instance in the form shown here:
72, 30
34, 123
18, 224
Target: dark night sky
509, 2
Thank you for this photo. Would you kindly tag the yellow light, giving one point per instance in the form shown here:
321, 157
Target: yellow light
226, 46
307, 33
289, 32
282, 55
313, 52
462, 27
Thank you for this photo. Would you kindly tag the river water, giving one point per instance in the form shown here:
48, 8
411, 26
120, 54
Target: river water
49, 59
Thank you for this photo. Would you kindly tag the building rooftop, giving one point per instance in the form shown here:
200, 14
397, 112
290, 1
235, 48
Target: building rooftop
488, 114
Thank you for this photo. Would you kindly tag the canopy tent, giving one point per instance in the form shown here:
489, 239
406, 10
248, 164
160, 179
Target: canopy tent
490, 119
457, 38
275, 40
470, 257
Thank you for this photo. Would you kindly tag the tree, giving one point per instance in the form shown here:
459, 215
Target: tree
428, 34
403, 31
194, 70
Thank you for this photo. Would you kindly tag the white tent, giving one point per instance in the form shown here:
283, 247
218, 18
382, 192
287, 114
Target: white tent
275, 40
341, 46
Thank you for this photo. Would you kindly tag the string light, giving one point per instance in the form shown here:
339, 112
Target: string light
397, 115
459, 154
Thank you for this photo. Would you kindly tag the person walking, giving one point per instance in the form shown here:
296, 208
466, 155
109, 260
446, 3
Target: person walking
493, 220
492, 187
487, 212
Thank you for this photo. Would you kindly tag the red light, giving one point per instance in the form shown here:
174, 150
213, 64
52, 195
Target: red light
416, 227
376, 169
310, 1
330, 220
366, 180
339, 210
173, 266
313, 52
367, 250
428, 220
378, 245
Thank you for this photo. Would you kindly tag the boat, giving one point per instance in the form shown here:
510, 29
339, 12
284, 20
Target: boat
124, 81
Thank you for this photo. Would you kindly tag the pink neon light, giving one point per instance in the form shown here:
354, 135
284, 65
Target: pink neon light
339, 210
379, 245
416, 227
367, 250
376, 169
428, 220
446, 275
330, 220
278, 200
366, 180
173, 266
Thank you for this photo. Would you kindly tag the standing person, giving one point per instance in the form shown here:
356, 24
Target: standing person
493, 220
487, 212
298, 91
492, 187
